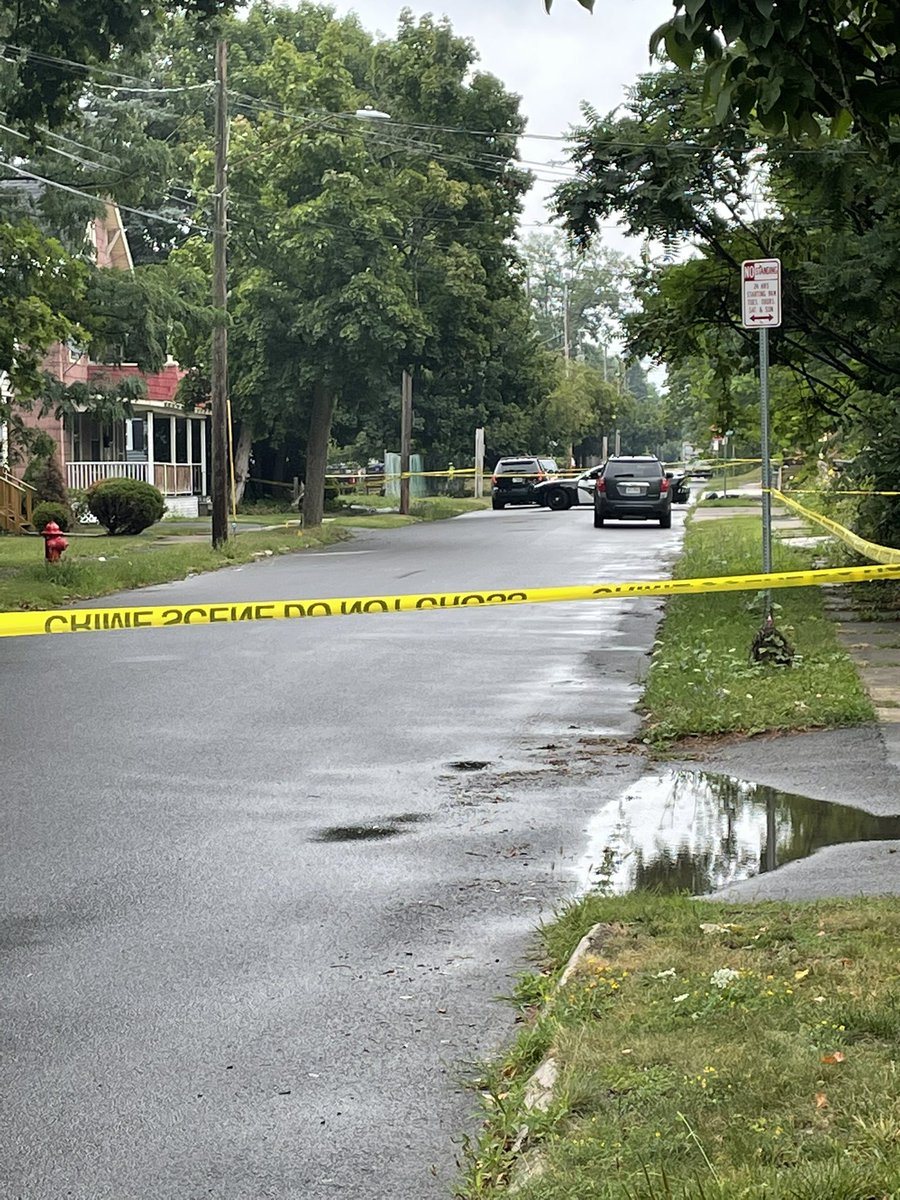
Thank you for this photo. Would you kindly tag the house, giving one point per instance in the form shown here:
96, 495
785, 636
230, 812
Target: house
160, 443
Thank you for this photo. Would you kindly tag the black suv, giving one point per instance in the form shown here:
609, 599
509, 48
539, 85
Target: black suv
633, 487
514, 479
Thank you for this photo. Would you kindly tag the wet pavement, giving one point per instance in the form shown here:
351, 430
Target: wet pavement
233, 964
698, 831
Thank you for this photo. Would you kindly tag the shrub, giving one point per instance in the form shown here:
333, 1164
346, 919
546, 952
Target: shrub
49, 485
49, 510
125, 505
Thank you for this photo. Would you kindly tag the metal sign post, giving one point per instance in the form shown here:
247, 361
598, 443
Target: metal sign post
761, 310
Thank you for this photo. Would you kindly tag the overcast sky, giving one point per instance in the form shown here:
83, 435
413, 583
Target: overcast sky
553, 63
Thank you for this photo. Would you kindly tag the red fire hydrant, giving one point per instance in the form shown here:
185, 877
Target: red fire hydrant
54, 542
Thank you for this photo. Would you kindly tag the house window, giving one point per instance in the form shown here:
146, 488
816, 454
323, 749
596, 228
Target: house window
138, 440
162, 439
196, 440
181, 453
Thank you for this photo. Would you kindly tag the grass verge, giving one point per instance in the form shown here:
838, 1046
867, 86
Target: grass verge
702, 680
705, 1052
99, 565
731, 501
425, 508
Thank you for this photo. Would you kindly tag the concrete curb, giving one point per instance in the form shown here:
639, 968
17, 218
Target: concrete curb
542, 1081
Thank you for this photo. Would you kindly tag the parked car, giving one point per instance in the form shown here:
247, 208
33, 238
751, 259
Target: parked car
560, 494
342, 476
679, 481
514, 479
633, 488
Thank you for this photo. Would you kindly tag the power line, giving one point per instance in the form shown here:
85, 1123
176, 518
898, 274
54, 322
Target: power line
90, 69
140, 212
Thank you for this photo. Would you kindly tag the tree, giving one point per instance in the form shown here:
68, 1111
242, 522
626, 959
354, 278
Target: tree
791, 66
830, 215
359, 250
51, 46
39, 283
577, 296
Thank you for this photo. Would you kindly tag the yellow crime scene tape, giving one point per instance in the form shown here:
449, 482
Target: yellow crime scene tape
94, 620
879, 554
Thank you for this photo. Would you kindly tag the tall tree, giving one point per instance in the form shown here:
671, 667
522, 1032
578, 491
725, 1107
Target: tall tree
828, 211
51, 46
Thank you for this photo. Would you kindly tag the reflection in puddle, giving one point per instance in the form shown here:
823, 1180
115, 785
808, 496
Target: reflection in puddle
695, 832
374, 832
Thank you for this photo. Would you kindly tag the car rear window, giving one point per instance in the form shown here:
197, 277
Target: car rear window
548, 464
633, 470
519, 466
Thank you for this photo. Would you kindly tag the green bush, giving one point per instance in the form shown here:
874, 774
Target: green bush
50, 510
125, 505
49, 484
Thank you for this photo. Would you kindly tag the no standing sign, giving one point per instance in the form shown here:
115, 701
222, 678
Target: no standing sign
761, 293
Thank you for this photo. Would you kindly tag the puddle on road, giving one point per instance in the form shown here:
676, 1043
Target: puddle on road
373, 832
696, 832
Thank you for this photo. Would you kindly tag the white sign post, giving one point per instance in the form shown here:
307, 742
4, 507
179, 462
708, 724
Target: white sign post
761, 310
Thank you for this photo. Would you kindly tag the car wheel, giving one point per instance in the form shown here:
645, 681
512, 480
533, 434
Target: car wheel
665, 521
496, 505
598, 520
559, 500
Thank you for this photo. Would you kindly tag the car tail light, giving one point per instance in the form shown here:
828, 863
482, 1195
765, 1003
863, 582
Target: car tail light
601, 484
541, 477
663, 486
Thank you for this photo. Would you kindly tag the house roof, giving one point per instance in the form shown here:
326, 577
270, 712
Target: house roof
161, 386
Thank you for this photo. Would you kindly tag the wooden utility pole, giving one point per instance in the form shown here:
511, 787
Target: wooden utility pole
405, 439
219, 356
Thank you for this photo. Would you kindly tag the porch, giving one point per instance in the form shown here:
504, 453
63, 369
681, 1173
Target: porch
172, 479
167, 450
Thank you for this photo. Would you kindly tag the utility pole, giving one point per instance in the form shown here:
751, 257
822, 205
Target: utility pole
405, 439
567, 353
219, 356
479, 461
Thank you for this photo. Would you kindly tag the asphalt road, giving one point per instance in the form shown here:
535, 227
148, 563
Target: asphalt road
253, 919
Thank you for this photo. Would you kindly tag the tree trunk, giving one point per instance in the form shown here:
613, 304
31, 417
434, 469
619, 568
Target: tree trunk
242, 460
317, 455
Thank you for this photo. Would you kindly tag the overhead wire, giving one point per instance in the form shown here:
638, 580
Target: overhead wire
90, 69
181, 222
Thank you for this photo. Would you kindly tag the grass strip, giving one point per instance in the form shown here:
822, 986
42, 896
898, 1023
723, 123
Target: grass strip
705, 1051
702, 680
100, 565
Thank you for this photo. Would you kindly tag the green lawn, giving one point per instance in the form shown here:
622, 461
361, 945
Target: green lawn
702, 679
97, 565
705, 1051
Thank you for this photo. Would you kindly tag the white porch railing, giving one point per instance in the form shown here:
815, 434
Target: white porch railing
172, 479
82, 474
